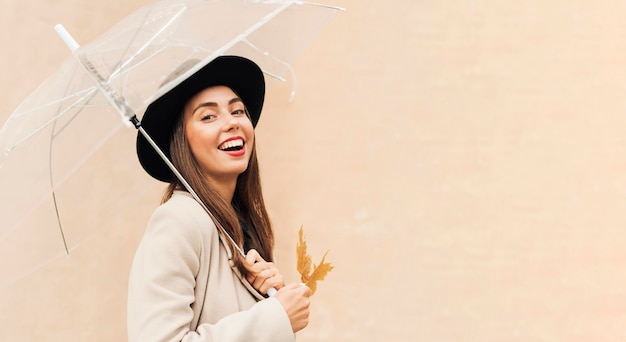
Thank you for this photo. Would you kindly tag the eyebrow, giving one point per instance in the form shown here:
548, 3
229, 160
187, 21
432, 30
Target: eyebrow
214, 104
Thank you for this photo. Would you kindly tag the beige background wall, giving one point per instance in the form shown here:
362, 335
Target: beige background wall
464, 162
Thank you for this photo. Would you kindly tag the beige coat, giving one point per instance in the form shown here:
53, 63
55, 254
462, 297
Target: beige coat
182, 287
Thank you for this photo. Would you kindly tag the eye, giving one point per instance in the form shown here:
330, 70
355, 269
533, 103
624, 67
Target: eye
208, 117
239, 112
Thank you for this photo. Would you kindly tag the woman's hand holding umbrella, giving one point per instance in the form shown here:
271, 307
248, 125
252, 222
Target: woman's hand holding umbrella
264, 276
295, 298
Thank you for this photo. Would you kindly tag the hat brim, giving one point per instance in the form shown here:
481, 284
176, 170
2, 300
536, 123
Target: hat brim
240, 74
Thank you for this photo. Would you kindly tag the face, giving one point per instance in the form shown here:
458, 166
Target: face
219, 132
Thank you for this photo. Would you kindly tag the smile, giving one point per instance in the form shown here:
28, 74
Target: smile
231, 145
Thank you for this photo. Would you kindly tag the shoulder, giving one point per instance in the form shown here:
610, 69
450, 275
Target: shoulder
181, 217
181, 204
182, 208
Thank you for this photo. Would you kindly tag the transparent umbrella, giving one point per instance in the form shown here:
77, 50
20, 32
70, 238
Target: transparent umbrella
106, 84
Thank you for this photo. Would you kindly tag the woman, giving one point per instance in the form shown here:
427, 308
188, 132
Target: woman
188, 281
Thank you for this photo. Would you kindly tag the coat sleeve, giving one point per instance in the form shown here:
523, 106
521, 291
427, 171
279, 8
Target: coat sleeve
161, 290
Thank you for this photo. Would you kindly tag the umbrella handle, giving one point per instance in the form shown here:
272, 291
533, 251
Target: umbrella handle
271, 292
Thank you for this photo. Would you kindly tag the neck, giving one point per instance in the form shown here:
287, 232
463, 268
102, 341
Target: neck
225, 187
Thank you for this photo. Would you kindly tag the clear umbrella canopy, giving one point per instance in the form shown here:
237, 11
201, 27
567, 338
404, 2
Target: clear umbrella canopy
47, 139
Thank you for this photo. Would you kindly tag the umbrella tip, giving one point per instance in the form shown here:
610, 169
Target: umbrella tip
66, 37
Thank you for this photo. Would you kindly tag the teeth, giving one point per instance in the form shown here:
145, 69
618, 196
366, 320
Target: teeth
231, 144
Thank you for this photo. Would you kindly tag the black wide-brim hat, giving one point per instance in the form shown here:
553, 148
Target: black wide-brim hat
240, 74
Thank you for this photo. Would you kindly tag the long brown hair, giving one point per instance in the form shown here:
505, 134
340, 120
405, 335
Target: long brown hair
247, 204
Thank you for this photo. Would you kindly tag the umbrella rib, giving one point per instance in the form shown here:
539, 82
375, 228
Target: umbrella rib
265, 53
56, 211
320, 5
120, 67
38, 108
54, 197
287, 65
85, 99
92, 93
254, 27
135, 65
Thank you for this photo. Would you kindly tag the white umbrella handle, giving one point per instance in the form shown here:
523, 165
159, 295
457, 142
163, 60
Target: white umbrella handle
271, 292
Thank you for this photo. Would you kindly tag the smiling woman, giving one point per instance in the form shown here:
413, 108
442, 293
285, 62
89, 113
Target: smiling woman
188, 281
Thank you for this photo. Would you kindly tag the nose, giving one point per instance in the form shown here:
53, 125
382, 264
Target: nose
231, 122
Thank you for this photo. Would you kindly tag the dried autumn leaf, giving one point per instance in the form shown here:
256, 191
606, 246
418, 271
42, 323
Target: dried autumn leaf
320, 271
304, 260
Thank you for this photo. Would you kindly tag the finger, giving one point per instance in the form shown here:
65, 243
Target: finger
262, 268
279, 282
290, 286
276, 282
305, 290
293, 286
253, 256
262, 277
261, 272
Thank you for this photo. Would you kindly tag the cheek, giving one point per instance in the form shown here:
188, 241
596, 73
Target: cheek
249, 131
246, 125
191, 136
197, 138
